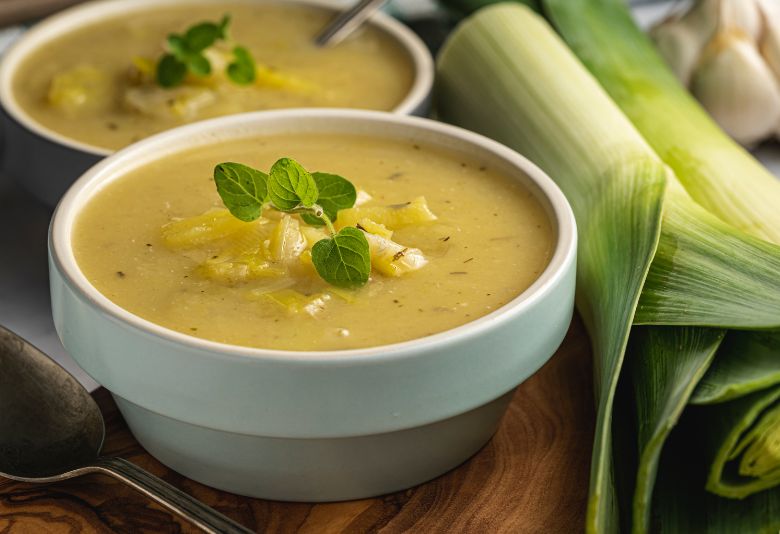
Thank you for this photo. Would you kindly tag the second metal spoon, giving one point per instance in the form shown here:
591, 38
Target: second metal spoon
347, 22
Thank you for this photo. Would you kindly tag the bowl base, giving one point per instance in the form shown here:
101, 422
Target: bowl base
314, 470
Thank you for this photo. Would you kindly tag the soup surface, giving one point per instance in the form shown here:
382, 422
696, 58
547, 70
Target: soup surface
97, 84
491, 239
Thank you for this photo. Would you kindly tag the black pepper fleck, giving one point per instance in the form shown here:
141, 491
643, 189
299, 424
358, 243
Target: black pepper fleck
400, 254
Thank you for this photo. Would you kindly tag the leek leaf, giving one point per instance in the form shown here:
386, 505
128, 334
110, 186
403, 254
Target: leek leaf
613, 180
664, 364
540, 101
719, 174
747, 362
707, 273
680, 505
747, 456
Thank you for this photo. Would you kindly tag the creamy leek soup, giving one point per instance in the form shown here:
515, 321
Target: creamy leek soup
450, 240
99, 84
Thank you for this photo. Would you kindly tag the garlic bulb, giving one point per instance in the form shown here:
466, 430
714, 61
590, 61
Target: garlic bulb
727, 52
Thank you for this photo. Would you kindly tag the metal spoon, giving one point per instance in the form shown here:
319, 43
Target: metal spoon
347, 22
51, 429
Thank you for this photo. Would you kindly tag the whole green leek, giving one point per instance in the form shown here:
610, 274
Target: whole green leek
644, 242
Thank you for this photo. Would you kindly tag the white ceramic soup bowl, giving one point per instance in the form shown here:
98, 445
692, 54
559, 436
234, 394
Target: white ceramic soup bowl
46, 162
313, 426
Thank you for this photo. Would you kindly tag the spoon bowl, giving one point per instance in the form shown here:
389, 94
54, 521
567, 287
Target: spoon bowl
49, 423
51, 429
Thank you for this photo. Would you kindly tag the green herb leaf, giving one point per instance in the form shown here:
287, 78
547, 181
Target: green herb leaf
187, 50
242, 70
223, 26
170, 71
243, 189
291, 186
199, 65
336, 193
343, 260
201, 36
178, 46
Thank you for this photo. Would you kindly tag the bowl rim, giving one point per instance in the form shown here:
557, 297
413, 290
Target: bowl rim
87, 13
563, 257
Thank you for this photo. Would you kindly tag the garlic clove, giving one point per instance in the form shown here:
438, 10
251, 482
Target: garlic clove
740, 16
681, 37
737, 88
702, 18
679, 45
769, 44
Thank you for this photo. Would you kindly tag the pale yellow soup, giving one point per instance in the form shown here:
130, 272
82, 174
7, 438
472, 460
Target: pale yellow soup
491, 240
85, 84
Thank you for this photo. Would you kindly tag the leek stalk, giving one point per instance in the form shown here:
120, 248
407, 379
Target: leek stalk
723, 177
719, 174
504, 73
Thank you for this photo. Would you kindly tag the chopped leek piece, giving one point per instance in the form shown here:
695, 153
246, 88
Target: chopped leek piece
393, 217
196, 231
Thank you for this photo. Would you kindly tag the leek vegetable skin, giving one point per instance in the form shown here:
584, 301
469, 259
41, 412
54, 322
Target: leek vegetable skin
504, 73
720, 175
717, 172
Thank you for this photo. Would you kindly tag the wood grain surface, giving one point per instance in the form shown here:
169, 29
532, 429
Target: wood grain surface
531, 477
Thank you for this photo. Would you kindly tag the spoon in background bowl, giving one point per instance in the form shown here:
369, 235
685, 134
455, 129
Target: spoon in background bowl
347, 22
51, 429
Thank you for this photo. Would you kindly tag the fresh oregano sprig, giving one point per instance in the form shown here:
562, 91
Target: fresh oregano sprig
343, 259
186, 55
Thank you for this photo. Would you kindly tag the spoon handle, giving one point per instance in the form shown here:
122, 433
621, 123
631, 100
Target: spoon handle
347, 22
175, 500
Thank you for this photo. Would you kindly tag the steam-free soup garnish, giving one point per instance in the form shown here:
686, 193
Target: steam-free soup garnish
313, 242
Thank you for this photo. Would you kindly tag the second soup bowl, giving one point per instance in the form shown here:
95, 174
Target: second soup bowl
47, 148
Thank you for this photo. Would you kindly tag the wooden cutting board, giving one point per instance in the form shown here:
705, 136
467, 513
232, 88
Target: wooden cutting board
532, 477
